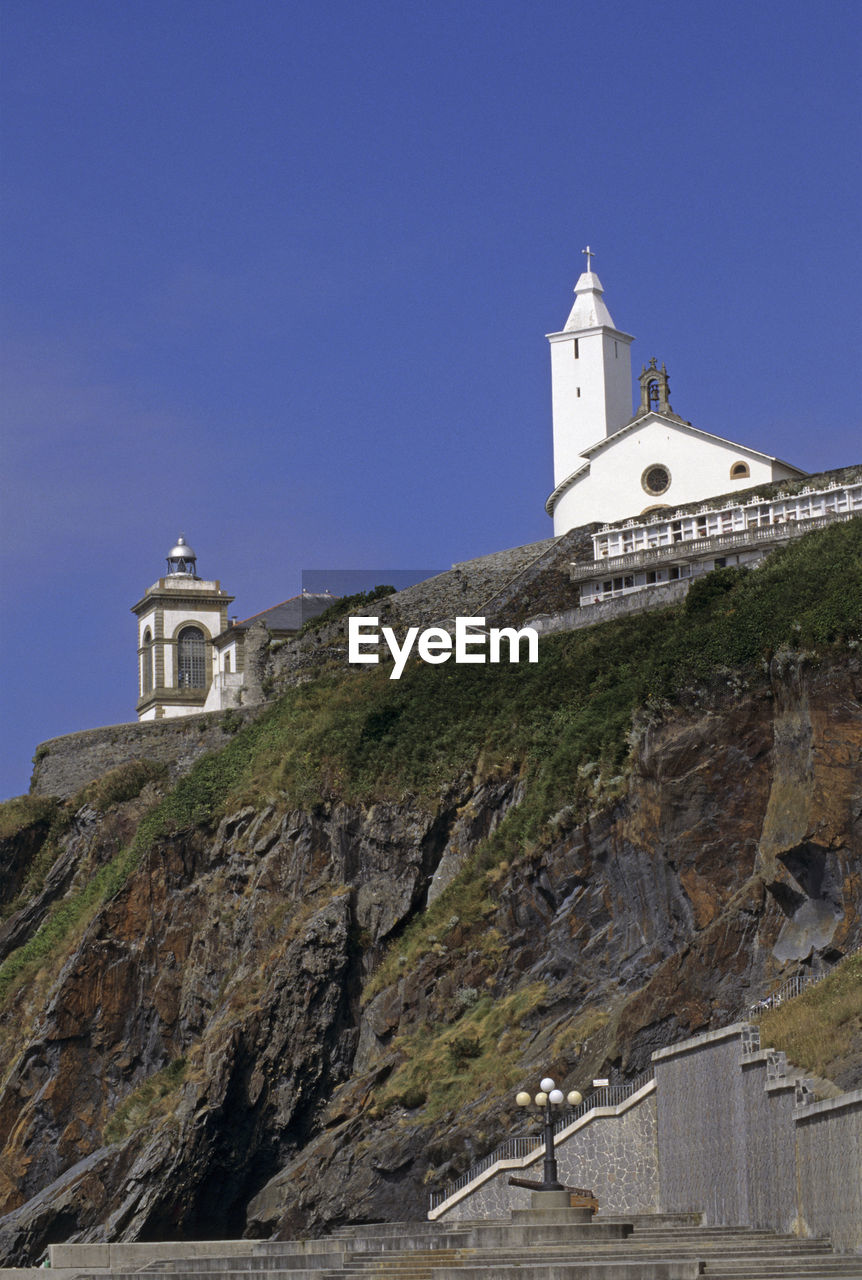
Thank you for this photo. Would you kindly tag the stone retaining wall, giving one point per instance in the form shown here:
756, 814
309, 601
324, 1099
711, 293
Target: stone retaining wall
62, 766
611, 1151
726, 1130
464, 588
829, 1160
740, 1142
607, 610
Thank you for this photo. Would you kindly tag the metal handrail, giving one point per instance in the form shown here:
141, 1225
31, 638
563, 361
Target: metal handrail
608, 1095
518, 1148
789, 988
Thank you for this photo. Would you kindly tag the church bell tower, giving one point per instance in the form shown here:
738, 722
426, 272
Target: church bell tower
591, 376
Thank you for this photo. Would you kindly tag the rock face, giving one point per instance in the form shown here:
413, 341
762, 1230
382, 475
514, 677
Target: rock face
215, 1049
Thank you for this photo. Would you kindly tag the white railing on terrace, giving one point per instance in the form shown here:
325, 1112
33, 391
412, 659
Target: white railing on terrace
519, 1148
691, 548
853, 491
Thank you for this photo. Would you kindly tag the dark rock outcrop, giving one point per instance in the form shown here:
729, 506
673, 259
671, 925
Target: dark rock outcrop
206, 1054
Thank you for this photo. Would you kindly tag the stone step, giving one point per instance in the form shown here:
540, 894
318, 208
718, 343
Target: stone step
650, 1219
536, 1245
834, 1265
308, 1272
800, 1249
404, 1240
849, 1270
393, 1228
326, 1256
667, 1269
727, 1251
658, 1269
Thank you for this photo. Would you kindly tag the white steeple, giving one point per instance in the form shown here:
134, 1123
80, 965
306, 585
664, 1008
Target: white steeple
589, 309
591, 377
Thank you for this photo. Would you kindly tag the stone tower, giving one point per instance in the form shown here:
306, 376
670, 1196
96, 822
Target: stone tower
178, 618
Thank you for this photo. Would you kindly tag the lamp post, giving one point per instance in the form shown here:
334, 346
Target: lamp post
549, 1097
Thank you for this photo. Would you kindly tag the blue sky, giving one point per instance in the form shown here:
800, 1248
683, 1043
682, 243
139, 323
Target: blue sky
276, 274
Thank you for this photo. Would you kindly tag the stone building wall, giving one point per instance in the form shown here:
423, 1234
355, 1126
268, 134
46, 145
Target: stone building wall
740, 1141
495, 1198
607, 610
463, 589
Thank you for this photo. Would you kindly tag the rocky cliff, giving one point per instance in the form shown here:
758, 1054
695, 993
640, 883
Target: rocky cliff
299, 987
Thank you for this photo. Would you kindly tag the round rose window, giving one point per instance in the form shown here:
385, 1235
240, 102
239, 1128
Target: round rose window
656, 480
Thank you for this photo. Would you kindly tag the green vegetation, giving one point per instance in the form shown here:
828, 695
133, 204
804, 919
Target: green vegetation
67, 916
565, 720
74, 911
820, 1027
37, 821
445, 1068
565, 723
25, 811
155, 1096
232, 721
122, 783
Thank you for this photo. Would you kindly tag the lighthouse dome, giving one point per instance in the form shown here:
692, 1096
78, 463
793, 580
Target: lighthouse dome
181, 558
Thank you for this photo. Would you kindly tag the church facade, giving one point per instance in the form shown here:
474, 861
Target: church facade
610, 464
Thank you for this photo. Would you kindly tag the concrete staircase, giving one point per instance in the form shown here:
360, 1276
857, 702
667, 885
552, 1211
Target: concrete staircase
523, 1247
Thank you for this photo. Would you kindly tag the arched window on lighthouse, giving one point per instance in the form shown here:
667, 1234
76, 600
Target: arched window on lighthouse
147, 663
191, 659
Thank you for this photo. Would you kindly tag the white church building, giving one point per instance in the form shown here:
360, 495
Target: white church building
640, 470
610, 464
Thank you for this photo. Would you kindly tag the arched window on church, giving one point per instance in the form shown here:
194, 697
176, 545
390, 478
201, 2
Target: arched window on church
191, 659
739, 471
147, 663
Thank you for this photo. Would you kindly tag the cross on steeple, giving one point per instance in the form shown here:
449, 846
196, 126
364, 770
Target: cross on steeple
588, 251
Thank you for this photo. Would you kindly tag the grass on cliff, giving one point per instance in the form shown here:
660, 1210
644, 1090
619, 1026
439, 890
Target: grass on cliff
564, 722
71, 913
153, 1097
359, 735
38, 822
446, 1068
122, 783
66, 919
26, 811
819, 1029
